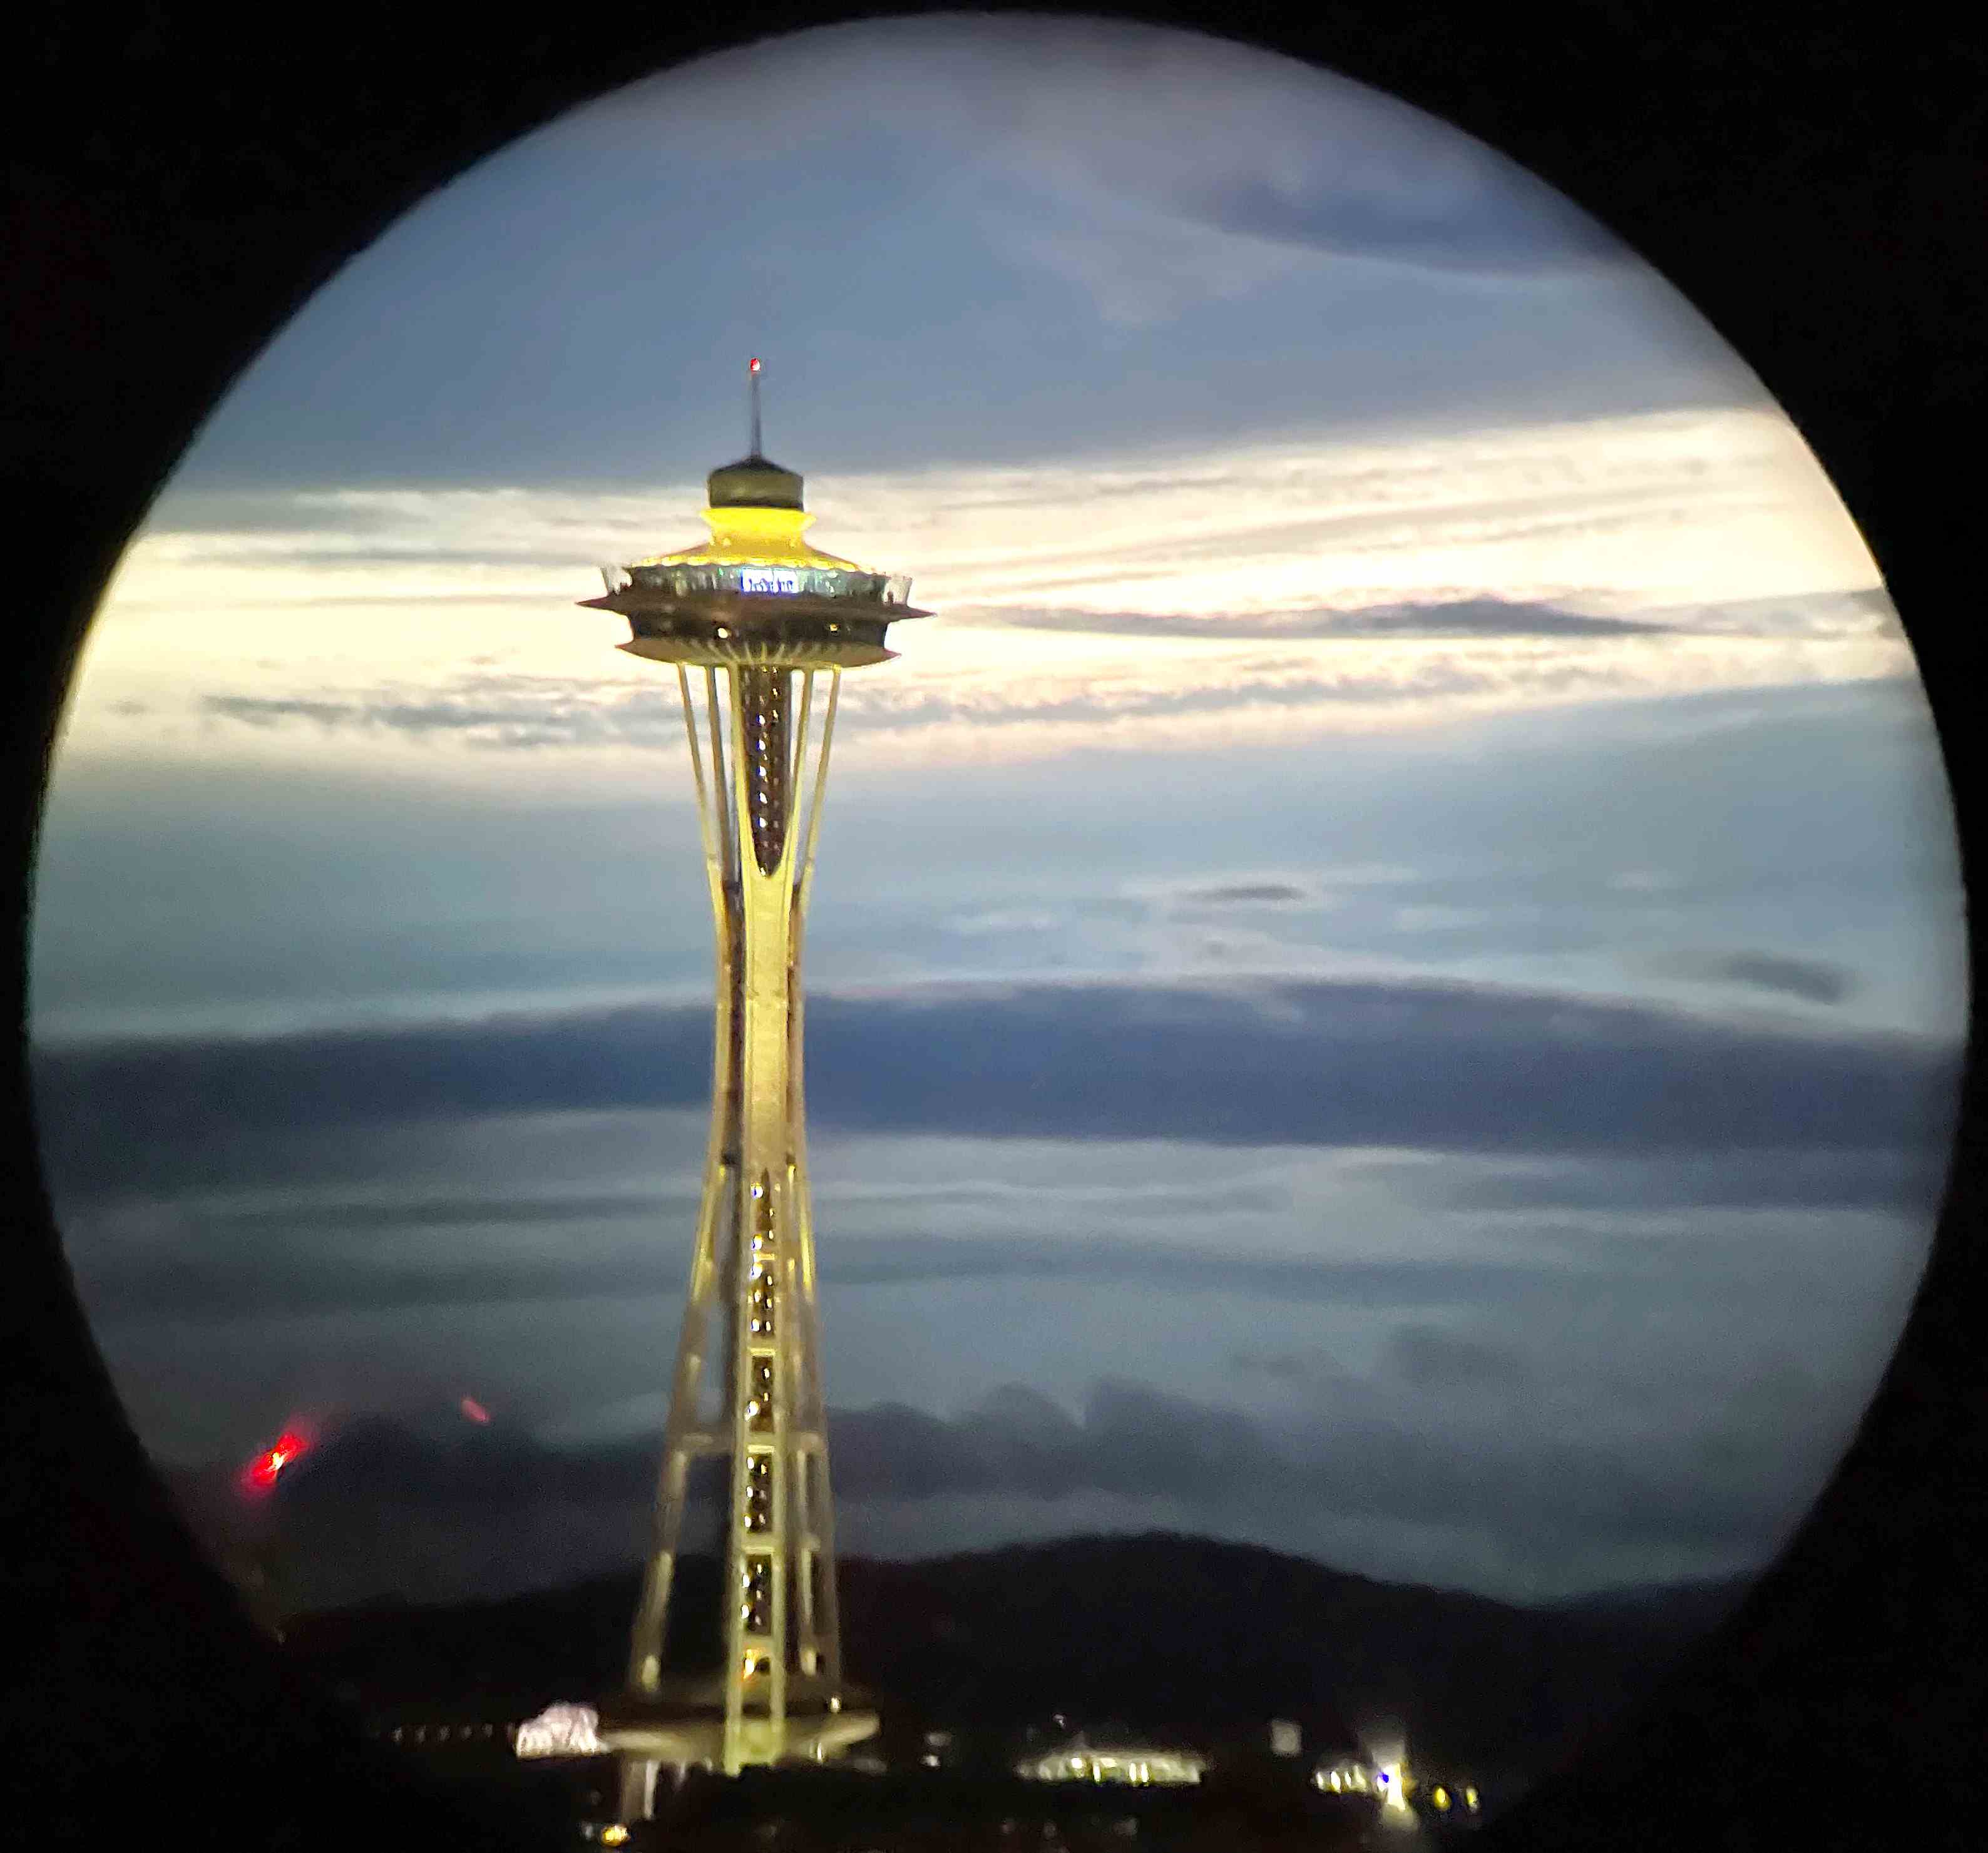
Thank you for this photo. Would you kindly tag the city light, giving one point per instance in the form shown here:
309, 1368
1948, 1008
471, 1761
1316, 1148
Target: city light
1348, 1776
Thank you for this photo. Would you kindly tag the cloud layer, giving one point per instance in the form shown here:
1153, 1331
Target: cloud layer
1485, 1286
1260, 1063
1485, 617
1154, 598
381, 1507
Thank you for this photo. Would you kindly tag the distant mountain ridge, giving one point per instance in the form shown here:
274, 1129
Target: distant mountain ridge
1667, 1609
1156, 1630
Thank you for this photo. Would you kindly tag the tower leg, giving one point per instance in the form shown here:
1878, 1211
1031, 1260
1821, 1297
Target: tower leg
637, 1789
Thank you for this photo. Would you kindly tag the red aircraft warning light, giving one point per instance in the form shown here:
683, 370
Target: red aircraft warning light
260, 1474
475, 1410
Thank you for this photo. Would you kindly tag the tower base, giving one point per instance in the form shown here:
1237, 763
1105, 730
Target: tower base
685, 1726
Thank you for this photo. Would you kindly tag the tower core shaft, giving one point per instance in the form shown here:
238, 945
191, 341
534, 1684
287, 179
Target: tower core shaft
747, 1387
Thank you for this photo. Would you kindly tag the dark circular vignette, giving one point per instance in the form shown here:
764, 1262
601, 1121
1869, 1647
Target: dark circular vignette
184, 182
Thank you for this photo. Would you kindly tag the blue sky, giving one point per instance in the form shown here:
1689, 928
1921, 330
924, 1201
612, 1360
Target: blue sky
1004, 241
1406, 900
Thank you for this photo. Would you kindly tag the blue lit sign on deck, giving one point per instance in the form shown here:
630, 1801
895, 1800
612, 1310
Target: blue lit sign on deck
756, 579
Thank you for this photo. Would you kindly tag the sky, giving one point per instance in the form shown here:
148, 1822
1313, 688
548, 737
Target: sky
1386, 969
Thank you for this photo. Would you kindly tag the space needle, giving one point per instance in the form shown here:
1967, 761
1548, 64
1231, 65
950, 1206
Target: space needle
759, 627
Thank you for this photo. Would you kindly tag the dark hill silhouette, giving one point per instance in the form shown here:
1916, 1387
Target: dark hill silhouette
1159, 1631
1657, 1612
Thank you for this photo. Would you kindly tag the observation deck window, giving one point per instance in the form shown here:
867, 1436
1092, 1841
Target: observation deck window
763, 582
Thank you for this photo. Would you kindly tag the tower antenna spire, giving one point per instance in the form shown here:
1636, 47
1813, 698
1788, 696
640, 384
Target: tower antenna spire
752, 373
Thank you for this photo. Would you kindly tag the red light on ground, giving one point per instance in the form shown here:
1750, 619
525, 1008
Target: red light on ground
260, 1474
475, 1410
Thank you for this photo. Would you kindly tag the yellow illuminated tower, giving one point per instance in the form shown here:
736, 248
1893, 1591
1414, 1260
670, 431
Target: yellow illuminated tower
760, 627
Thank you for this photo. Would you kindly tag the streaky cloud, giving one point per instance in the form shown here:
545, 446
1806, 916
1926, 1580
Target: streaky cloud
217, 1285
1404, 1064
1813, 980
1243, 894
1484, 617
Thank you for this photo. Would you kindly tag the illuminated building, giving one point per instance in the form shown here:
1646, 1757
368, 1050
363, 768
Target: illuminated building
759, 627
559, 1730
1138, 1764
